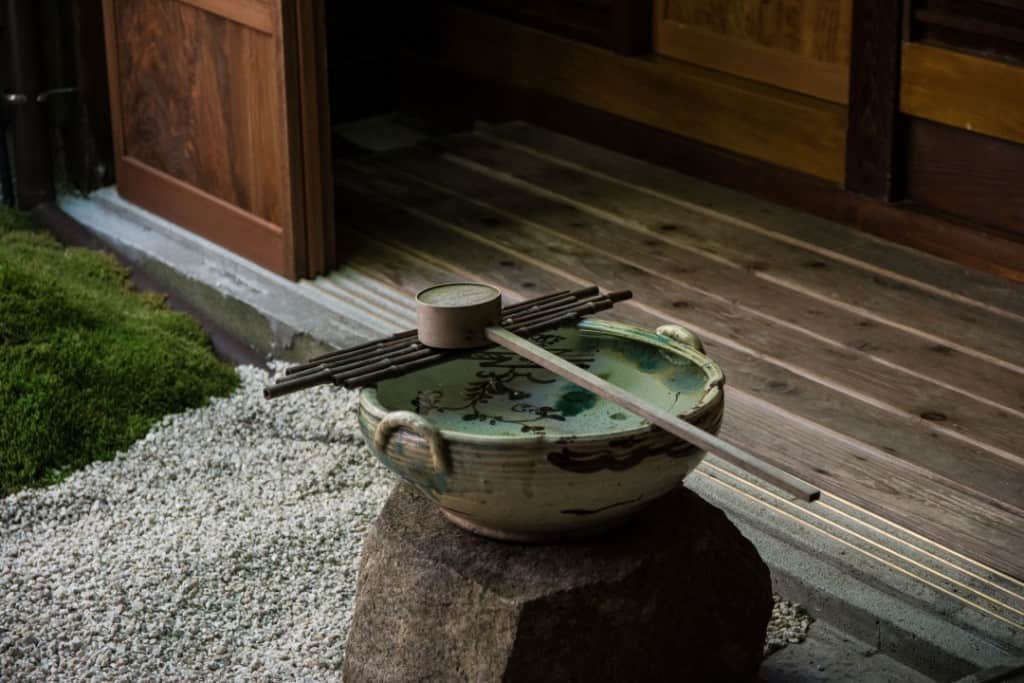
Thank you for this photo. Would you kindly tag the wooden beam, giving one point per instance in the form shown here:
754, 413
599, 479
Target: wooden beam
761, 121
960, 90
964, 174
459, 229
255, 14
215, 219
747, 59
317, 181
874, 137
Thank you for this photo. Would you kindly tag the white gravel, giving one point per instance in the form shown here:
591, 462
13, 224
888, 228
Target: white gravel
222, 545
788, 625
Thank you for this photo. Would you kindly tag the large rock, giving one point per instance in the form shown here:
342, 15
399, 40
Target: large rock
675, 594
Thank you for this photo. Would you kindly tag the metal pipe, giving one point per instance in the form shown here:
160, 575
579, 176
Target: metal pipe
33, 162
6, 181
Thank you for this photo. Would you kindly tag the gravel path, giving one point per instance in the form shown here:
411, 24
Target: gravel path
222, 545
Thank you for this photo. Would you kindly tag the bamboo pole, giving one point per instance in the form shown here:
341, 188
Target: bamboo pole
653, 414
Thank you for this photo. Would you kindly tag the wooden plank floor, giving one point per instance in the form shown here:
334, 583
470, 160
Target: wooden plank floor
890, 379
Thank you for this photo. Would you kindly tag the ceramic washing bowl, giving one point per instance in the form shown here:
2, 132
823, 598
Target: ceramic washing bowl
511, 451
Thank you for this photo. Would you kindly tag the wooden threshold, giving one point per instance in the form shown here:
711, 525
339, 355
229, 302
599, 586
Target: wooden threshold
217, 220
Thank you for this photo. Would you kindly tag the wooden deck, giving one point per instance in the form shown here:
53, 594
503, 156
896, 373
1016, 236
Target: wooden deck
892, 380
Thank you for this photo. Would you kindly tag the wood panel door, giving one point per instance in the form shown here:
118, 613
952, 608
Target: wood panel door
962, 91
220, 123
799, 45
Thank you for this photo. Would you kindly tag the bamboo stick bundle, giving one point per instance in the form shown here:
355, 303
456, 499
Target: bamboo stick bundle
460, 318
409, 336
401, 353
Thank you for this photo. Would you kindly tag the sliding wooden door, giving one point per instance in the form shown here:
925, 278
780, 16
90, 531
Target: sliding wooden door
962, 91
801, 45
220, 123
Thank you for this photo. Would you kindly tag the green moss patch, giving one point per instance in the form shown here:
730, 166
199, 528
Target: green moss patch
86, 365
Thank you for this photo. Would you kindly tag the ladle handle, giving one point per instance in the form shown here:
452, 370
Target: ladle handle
653, 414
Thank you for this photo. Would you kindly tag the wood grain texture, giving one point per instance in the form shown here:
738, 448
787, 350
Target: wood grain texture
960, 90
966, 174
874, 136
761, 121
980, 333
460, 231
818, 235
894, 368
814, 29
206, 101
841, 466
730, 305
257, 14
801, 46
905, 223
317, 179
198, 94
979, 527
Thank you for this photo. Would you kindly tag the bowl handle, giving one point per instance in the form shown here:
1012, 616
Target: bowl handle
406, 419
678, 333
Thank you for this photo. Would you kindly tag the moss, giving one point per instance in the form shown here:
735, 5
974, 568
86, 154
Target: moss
87, 366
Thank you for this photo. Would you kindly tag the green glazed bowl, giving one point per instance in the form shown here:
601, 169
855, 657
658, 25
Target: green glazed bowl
511, 451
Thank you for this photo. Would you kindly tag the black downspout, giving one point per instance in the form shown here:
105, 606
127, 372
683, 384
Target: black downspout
33, 163
6, 181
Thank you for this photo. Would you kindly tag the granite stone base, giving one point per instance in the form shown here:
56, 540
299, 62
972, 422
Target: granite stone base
675, 594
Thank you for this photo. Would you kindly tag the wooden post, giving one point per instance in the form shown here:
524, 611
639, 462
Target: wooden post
875, 139
631, 26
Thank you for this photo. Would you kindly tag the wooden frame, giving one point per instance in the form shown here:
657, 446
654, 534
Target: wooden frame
679, 98
874, 139
826, 80
965, 174
317, 179
262, 194
960, 90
